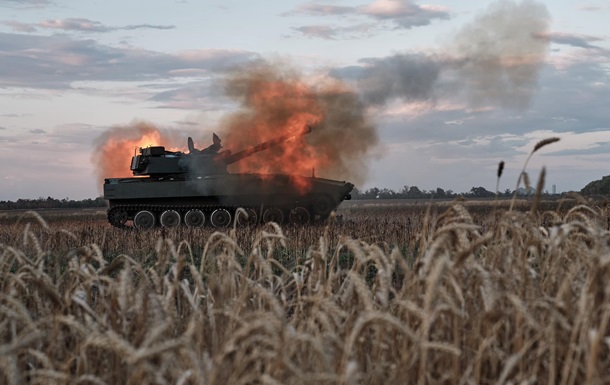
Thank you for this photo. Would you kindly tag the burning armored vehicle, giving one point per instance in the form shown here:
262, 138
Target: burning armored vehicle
170, 188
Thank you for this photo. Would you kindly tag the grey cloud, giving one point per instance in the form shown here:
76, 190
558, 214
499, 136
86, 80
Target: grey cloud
147, 26
574, 94
316, 9
37, 131
402, 14
207, 95
74, 24
2, 128
578, 95
318, 31
19, 27
574, 40
14, 115
599, 148
329, 32
78, 24
56, 61
594, 8
25, 3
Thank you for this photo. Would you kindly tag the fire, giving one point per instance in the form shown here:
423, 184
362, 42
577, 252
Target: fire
115, 148
275, 102
275, 106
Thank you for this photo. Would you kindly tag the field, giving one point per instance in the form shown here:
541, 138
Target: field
386, 292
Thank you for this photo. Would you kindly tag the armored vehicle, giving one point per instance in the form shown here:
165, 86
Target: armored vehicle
171, 188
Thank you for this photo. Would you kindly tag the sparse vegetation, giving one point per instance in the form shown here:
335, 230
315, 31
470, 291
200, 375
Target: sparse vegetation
452, 293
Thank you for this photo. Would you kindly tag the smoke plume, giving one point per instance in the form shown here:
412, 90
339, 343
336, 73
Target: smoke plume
498, 56
276, 100
406, 76
494, 60
273, 100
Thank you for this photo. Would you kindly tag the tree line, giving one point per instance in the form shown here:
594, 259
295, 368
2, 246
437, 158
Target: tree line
51, 203
414, 192
407, 192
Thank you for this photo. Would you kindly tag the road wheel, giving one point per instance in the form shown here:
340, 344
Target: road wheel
194, 218
322, 205
170, 218
273, 214
299, 216
220, 218
144, 220
117, 217
249, 219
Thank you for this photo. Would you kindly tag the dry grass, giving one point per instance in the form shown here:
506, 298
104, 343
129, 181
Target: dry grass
448, 294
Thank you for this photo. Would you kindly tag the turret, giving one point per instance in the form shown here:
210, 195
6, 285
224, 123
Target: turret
157, 162
229, 158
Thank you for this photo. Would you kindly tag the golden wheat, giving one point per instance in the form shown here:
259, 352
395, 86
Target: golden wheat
460, 297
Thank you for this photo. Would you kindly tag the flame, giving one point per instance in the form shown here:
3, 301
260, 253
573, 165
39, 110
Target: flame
275, 101
116, 146
275, 106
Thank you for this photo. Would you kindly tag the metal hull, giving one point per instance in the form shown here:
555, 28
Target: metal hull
257, 192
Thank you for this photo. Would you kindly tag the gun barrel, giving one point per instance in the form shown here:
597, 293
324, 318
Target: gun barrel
230, 159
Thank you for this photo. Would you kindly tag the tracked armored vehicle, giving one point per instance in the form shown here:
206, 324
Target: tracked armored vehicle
172, 188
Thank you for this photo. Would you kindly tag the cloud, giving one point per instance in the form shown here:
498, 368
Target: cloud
2, 128
74, 24
77, 24
25, 3
19, 27
206, 95
570, 103
147, 26
37, 131
574, 40
330, 32
596, 148
319, 31
316, 9
594, 8
14, 115
404, 13
399, 14
57, 61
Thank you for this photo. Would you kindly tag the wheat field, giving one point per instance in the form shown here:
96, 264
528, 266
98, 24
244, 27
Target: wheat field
437, 294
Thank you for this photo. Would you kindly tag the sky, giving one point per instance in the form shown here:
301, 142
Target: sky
450, 88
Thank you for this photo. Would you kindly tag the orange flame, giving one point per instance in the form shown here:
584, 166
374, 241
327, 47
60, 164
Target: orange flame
275, 102
276, 107
116, 146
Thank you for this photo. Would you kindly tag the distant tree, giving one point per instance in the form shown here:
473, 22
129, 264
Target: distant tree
386, 194
414, 192
481, 192
372, 193
598, 187
439, 193
50, 203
